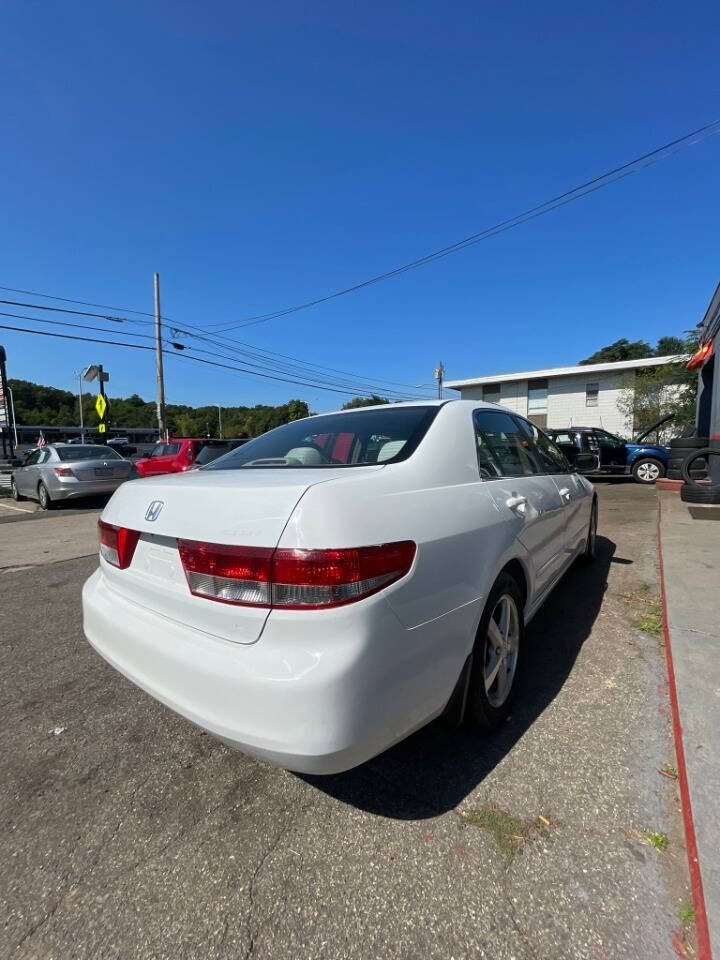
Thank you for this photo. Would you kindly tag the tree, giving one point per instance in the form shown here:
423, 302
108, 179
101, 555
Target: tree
656, 391
36, 404
670, 346
372, 401
620, 350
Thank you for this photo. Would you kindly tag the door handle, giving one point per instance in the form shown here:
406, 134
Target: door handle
565, 493
518, 504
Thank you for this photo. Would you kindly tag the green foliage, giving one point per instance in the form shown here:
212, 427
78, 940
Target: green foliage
620, 350
660, 390
372, 401
36, 404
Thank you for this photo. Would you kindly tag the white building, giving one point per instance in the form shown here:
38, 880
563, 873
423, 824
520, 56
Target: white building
582, 396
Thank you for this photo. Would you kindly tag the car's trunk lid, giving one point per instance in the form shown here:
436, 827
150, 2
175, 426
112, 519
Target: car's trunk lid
248, 507
100, 469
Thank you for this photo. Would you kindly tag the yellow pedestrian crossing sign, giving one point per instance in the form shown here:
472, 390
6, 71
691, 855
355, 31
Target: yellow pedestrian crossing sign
101, 428
101, 405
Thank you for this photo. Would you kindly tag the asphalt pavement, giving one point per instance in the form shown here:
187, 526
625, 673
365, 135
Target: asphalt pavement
127, 832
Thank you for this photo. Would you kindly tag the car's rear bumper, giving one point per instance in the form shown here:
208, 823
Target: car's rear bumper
83, 488
319, 692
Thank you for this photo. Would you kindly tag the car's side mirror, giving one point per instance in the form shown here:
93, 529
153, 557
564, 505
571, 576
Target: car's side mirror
587, 463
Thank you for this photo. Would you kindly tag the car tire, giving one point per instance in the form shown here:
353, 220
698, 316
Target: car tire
500, 650
689, 493
44, 498
14, 492
590, 552
647, 470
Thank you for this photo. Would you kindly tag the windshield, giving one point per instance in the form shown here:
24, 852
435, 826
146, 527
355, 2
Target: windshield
379, 435
211, 451
87, 453
165, 450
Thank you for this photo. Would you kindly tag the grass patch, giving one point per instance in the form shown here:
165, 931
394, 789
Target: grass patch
669, 771
687, 915
510, 833
646, 613
658, 841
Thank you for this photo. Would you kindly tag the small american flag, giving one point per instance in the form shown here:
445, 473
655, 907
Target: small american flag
41, 441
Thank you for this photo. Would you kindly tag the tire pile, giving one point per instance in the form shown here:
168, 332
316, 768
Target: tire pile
692, 491
680, 450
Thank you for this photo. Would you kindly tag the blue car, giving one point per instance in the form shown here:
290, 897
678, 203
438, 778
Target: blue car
645, 462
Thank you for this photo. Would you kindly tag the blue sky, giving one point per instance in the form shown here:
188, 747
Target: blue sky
259, 155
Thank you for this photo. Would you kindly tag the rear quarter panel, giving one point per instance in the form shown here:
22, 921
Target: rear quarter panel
435, 498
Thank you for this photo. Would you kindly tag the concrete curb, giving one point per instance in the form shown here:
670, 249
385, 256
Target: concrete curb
701, 921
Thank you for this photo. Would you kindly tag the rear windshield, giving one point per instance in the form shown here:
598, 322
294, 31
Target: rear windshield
77, 452
212, 451
165, 450
380, 435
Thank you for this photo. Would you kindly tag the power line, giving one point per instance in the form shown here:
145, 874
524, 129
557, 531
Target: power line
172, 353
79, 313
372, 386
345, 387
575, 193
85, 303
293, 367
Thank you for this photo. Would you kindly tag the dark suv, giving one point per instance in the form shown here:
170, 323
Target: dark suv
645, 462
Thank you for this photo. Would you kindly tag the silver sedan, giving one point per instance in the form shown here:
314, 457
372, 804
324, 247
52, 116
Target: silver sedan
61, 471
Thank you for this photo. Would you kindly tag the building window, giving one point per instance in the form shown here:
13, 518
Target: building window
537, 399
491, 393
592, 391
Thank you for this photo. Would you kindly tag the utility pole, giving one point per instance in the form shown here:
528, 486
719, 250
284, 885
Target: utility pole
82, 425
162, 428
220, 420
439, 373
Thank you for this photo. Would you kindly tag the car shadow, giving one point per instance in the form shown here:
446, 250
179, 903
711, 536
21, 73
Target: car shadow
433, 770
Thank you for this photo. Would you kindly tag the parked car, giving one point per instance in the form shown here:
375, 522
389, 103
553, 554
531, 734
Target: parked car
212, 449
645, 462
122, 445
60, 471
329, 587
174, 456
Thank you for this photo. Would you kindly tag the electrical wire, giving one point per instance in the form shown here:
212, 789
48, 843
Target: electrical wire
568, 196
364, 386
173, 353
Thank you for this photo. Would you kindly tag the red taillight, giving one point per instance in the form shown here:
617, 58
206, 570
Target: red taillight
63, 472
304, 579
117, 544
229, 574
292, 579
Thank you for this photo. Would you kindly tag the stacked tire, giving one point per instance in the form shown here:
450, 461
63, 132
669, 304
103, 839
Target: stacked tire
680, 450
693, 492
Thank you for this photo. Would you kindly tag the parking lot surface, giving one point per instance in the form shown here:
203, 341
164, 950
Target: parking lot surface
127, 832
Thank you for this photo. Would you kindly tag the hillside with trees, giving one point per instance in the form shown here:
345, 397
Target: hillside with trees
40, 405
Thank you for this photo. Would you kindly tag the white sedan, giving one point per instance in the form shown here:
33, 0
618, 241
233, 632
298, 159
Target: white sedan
319, 593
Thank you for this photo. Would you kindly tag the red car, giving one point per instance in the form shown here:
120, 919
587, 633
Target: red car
176, 455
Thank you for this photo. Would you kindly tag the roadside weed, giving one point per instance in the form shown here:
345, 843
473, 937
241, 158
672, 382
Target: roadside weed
510, 832
658, 841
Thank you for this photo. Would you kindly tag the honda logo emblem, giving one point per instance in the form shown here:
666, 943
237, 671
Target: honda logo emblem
153, 511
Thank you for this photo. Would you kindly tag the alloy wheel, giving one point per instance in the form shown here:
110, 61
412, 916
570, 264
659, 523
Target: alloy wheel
501, 650
648, 472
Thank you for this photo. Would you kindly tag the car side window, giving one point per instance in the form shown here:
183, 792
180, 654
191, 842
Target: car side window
551, 457
43, 456
31, 459
607, 439
504, 450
